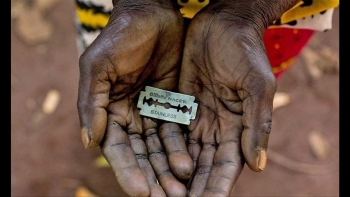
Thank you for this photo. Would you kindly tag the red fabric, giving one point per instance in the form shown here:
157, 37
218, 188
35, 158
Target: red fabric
283, 45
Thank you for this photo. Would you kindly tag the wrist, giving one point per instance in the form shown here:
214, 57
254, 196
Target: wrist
136, 4
259, 13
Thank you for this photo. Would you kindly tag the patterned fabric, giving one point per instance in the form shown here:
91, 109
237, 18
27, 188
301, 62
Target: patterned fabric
91, 17
284, 40
283, 45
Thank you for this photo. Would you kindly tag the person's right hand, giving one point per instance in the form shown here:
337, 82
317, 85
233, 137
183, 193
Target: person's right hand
226, 68
141, 45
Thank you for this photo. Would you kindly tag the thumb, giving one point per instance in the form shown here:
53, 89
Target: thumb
93, 94
254, 147
257, 120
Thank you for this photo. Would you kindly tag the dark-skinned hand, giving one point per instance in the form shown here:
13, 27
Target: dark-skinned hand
141, 45
226, 68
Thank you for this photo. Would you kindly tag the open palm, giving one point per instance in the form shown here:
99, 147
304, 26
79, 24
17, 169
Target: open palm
141, 45
226, 68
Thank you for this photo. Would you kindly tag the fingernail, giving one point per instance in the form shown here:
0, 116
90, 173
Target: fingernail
85, 137
262, 159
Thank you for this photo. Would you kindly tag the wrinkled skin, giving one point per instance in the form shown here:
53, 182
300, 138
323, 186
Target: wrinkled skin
141, 45
226, 68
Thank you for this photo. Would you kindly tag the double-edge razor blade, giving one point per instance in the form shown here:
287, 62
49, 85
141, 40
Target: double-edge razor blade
167, 105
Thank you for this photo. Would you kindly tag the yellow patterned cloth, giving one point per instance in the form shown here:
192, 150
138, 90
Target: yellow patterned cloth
308, 8
301, 10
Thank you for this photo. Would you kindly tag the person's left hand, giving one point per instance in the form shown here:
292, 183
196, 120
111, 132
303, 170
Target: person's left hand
226, 68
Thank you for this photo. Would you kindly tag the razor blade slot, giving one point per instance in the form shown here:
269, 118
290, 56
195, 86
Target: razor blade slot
166, 105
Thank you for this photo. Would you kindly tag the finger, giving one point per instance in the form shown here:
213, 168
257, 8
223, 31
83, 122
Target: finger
179, 160
203, 168
158, 160
140, 150
257, 118
117, 150
92, 99
227, 166
194, 148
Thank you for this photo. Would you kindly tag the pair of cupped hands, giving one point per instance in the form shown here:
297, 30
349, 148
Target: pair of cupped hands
220, 59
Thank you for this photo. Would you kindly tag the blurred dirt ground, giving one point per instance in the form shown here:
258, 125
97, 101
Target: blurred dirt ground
47, 154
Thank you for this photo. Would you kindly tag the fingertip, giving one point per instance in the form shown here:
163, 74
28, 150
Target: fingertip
262, 159
257, 159
86, 138
157, 191
134, 183
174, 188
181, 164
254, 147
